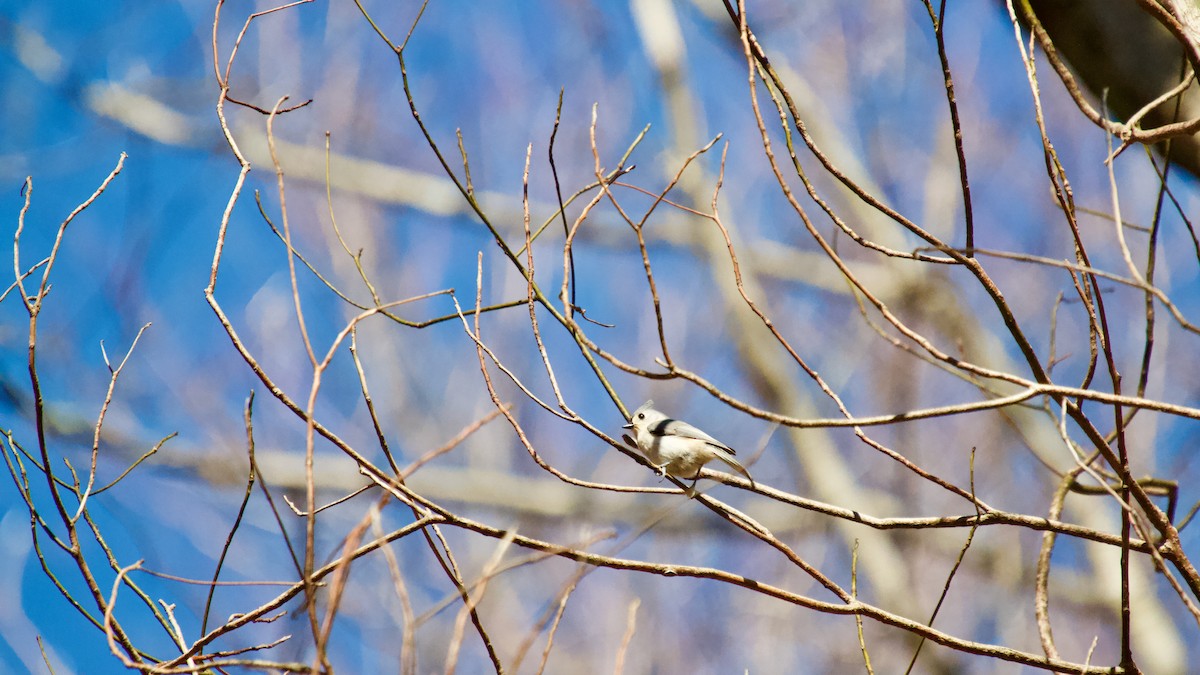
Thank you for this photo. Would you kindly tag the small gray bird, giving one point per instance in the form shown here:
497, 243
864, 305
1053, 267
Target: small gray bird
676, 447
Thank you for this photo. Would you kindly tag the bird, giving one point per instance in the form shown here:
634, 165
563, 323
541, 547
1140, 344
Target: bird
677, 448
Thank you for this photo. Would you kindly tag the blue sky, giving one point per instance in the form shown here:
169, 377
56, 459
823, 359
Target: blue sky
142, 252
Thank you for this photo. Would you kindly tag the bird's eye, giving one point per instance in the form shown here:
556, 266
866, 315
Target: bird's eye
641, 416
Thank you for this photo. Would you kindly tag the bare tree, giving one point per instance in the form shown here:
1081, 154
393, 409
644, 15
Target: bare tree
958, 366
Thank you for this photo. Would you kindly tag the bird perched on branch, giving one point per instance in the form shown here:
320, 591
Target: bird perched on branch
677, 448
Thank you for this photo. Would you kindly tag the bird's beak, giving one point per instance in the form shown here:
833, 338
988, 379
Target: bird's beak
627, 426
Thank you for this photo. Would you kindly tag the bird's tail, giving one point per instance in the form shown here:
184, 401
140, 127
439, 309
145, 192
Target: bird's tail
735, 465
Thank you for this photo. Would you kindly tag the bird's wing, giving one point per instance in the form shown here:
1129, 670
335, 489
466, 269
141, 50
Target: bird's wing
680, 428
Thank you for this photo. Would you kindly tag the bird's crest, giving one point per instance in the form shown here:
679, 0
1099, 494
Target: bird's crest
644, 407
